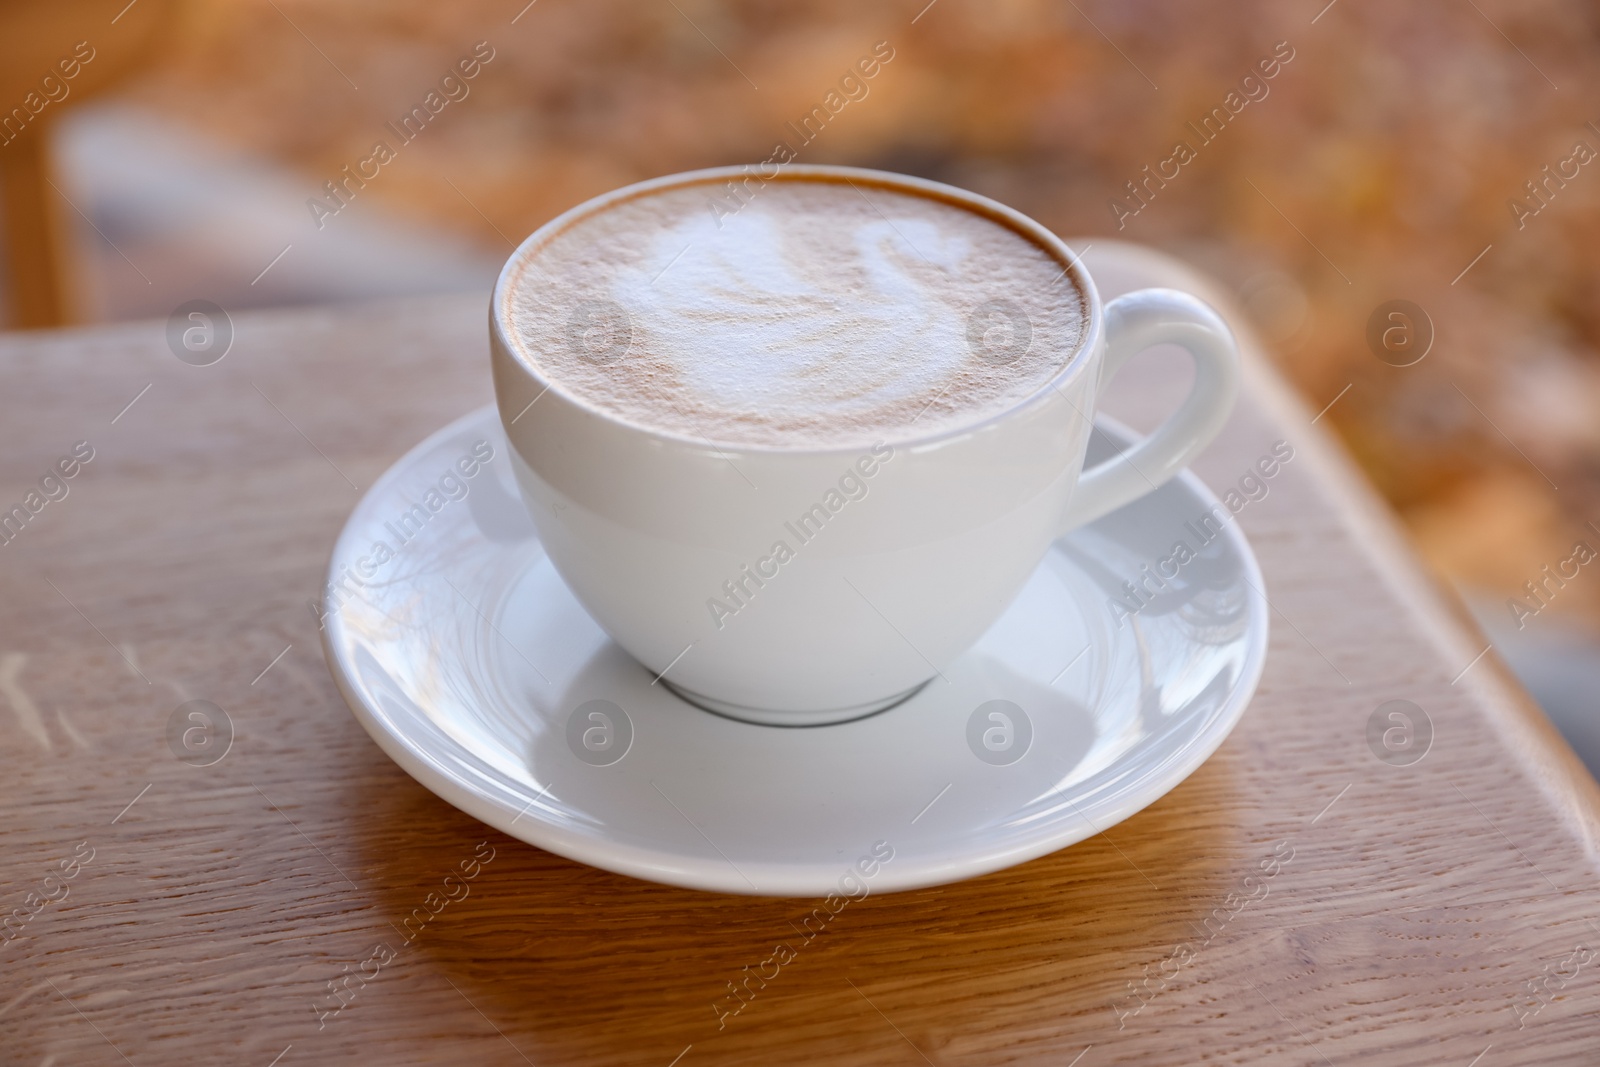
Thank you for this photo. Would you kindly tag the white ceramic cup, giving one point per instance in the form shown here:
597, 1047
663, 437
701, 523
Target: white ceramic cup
899, 555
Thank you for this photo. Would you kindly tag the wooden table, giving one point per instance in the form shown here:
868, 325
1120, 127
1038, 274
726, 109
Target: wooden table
200, 913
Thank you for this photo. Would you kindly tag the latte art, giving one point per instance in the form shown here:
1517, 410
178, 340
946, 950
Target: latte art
822, 313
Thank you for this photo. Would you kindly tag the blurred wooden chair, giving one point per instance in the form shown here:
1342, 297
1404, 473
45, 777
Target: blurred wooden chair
39, 43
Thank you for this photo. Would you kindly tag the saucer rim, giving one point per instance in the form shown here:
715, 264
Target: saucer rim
494, 806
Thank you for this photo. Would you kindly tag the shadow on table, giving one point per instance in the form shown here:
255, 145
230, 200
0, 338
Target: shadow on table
576, 962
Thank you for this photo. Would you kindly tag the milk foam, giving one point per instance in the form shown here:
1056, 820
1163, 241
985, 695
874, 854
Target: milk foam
821, 313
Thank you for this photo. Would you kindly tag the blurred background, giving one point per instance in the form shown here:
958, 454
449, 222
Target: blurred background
1445, 153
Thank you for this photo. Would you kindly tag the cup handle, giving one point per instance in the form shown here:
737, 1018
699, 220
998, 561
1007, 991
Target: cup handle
1134, 323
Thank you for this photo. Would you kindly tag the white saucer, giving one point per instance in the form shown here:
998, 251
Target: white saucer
473, 667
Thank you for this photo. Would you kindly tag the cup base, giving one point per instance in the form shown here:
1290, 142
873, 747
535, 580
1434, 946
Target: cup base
769, 717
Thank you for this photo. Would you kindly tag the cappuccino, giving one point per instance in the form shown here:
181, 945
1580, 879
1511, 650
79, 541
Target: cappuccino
823, 313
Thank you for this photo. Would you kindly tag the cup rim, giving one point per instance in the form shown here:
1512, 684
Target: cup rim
1072, 265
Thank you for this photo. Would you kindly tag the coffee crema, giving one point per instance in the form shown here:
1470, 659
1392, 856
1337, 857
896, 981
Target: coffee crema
824, 313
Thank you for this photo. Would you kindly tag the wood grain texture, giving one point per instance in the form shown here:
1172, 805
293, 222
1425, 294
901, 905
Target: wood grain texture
1418, 904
